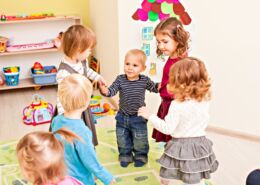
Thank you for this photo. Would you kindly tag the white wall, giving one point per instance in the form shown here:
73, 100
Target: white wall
104, 22
227, 39
225, 34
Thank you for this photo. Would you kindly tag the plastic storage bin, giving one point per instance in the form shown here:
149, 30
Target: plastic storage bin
12, 78
46, 78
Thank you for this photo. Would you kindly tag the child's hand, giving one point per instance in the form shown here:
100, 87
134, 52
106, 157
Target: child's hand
144, 112
102, 81
159, 86
103, 89
113, 182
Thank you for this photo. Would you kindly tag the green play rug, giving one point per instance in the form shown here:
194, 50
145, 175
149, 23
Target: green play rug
107, 154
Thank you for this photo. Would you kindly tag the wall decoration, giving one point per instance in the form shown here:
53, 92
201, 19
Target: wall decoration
146, 49
147, 33
154, 10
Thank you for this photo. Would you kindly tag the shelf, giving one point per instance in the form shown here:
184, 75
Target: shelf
23, 83
56, 18
29, 51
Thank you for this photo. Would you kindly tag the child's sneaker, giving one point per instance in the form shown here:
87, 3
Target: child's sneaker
139, 163
124, 164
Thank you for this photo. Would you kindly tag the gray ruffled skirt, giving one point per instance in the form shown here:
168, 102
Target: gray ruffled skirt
188, 160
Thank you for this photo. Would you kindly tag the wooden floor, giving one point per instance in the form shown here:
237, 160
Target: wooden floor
237, 157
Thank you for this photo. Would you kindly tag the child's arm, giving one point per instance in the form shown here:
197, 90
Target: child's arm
103, 89
152, 86
112, 90
166, 126
88, 157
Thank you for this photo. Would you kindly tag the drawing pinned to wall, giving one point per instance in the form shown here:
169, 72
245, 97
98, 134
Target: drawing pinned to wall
153, 10
147, 33
152, 70
146, 49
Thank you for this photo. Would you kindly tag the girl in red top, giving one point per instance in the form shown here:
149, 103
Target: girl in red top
172, 41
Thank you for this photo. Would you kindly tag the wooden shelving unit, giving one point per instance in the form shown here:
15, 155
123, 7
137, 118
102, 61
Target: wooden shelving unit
56, 18
24, 83
28, 82
29, 51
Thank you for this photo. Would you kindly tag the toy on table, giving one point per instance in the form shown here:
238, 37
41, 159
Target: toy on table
98, 110
11, 75
3, 44
38, 112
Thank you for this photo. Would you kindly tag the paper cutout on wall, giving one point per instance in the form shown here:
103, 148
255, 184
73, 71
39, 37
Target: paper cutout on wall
146, 49
161, 9
147, 33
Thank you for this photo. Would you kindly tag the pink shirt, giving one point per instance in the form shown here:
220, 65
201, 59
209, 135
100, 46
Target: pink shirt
68, 181
165, 78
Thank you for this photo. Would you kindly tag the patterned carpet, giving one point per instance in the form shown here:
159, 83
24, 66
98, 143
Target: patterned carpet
107, 154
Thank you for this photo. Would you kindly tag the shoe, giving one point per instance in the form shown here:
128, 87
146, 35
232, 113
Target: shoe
139, 163
124, 164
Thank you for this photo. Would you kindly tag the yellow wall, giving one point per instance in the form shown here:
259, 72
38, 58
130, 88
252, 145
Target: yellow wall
58, 7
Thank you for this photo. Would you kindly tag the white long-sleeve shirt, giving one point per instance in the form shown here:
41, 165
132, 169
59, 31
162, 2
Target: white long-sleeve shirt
184, 119
62, 73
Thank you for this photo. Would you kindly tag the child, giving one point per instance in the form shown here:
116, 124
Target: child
74, 93
172, 41
131, 130
188, 156
41, 158
77, 43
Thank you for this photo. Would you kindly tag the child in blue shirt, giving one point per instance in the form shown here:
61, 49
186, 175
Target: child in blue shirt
74, 94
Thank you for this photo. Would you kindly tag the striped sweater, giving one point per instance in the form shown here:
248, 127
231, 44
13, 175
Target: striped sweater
131, 93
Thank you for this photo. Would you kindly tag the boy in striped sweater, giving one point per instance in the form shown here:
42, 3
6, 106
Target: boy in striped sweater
131, 129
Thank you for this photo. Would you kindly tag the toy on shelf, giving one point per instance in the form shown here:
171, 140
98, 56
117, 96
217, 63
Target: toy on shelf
26, 17
26, 47
11, 75
38, 112
57, 40
3, 44
43, 74
37, 68
95, 65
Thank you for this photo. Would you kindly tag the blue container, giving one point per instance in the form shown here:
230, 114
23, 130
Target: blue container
46, 78
12, 79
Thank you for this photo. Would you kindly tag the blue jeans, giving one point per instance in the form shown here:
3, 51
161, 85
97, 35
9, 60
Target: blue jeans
132, 140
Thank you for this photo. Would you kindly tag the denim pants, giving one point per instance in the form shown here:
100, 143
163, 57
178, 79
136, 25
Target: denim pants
132, 140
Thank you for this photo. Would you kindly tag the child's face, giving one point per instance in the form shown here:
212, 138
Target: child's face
84, 55
133, 67
166, 44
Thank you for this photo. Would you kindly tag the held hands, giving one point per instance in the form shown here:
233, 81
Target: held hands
113, 182
144, 112
103, 88
102, 81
